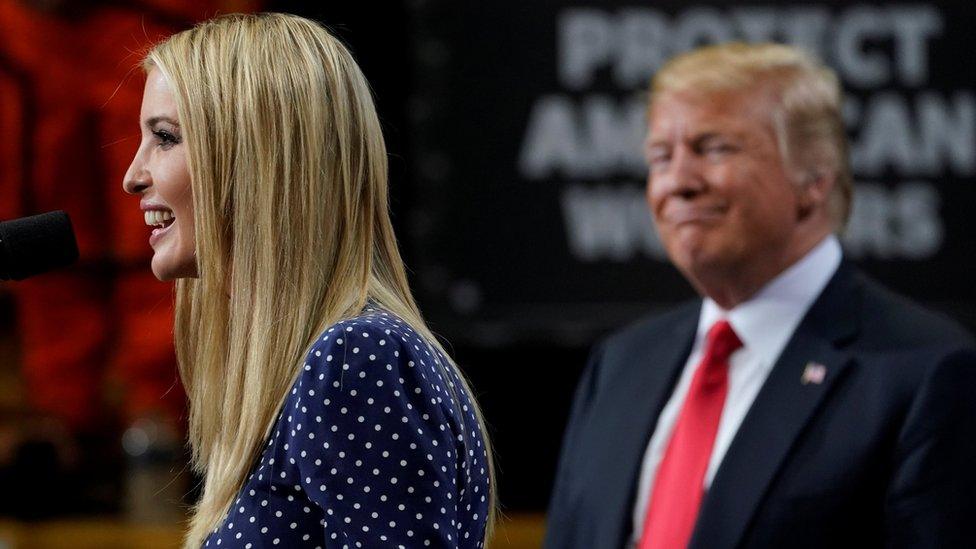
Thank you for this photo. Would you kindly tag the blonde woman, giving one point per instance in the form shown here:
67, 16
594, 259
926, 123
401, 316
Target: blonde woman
323, 413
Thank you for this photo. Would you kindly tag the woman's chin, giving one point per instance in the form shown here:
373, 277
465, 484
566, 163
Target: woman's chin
161, 271
166, 270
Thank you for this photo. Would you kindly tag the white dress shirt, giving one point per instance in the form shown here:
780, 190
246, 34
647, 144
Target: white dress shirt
765, 324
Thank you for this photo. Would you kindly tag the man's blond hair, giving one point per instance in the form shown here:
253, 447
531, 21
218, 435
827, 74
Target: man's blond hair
807, 104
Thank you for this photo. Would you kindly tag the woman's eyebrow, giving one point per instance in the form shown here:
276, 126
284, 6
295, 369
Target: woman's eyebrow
150, 122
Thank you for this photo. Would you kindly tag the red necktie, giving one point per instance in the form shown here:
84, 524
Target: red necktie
679, 484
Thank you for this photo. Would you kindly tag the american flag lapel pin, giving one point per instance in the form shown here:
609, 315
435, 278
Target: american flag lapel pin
813, 373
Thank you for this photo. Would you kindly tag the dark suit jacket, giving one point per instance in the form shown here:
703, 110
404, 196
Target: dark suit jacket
881, 453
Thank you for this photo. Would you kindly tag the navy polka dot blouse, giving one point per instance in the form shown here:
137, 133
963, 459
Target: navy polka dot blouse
374, 447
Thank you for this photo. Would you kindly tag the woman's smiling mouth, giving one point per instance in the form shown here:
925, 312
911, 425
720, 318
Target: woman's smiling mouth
162, 220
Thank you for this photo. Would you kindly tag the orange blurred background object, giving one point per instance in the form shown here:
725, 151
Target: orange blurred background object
90, 347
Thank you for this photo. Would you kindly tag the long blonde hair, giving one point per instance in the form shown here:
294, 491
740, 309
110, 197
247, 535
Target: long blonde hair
289, 179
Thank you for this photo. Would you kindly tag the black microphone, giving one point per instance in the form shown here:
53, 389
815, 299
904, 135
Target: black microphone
36, 244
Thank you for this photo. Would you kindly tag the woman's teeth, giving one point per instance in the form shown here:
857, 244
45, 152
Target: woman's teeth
158, 218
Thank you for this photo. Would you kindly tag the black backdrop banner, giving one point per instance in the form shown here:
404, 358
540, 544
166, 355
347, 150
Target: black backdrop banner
529, 220
514, 131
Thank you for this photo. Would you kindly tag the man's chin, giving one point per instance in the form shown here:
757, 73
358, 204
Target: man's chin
689, 247
700, 262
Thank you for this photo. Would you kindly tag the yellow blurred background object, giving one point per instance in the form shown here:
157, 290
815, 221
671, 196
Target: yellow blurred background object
523, 531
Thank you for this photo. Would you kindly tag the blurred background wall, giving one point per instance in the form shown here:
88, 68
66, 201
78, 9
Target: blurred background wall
514, 131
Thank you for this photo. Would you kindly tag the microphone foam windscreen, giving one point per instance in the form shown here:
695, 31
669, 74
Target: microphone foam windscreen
36, 244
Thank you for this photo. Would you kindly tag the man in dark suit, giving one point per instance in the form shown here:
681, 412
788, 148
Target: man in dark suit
797, 404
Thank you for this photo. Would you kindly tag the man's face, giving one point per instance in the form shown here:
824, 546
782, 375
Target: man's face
722, 198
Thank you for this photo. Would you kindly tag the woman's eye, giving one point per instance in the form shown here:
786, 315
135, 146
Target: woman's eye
166, 139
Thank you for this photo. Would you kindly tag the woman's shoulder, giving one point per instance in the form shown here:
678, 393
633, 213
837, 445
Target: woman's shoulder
375, 371
378, 351
373, 327
372, 427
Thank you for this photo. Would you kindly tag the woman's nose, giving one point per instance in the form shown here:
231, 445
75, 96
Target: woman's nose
136, 180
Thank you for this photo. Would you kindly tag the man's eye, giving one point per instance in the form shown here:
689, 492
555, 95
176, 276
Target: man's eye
658, 159
659, 162
717, 148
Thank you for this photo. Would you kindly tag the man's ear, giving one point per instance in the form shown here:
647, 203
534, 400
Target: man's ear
813, 190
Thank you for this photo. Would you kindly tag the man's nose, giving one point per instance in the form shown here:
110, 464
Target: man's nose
683, 175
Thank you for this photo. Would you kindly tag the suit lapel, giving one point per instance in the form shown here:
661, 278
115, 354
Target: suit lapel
635, 398
807, 369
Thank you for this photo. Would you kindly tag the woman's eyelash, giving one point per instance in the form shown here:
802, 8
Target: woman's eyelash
166, 138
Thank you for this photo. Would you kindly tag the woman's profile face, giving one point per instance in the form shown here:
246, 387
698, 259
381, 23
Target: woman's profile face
159, 176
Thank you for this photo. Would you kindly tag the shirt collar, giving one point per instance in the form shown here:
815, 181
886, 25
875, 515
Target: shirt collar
766, 321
